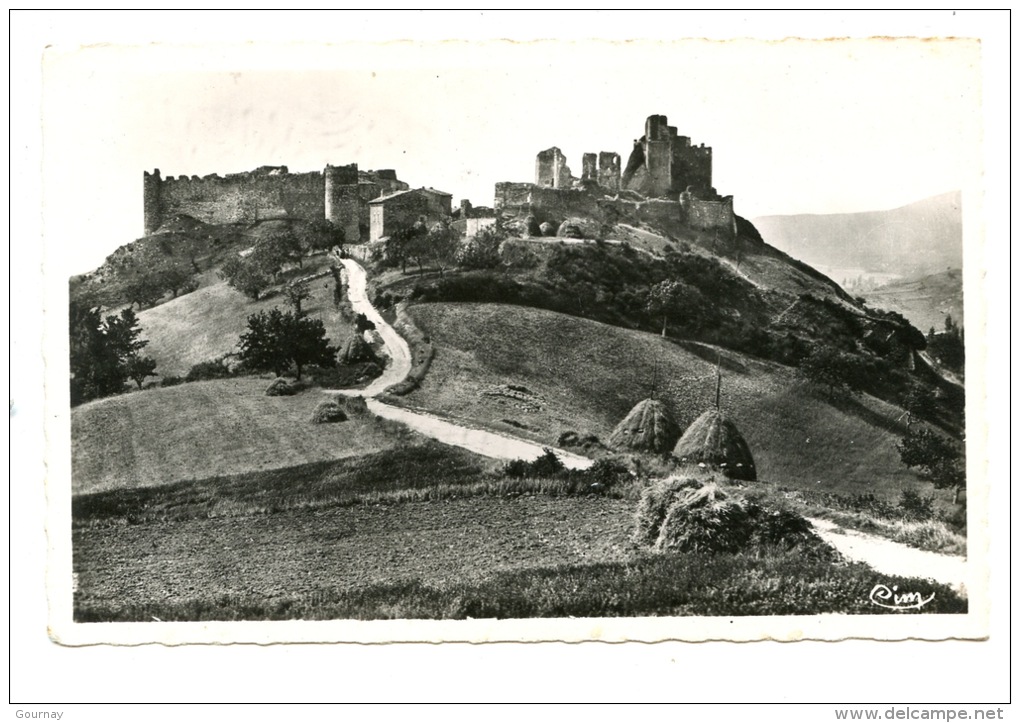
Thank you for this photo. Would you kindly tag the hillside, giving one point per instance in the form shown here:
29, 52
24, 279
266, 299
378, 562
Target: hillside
206, 323
538, 374
921, 237
925, 300
205, 429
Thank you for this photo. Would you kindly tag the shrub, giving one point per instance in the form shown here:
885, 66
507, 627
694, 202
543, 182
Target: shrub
169, 380
916, 506
547, 465
602, 475
212, 369
328, 411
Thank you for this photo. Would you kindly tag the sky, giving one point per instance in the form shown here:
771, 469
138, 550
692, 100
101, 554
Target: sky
796, 126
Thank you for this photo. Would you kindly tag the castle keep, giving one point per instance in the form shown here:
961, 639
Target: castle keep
666, 178
340, 194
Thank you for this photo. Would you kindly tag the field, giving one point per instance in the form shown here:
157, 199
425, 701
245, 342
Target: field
206, 323
537, 374
335, 540
925, 301
204, 429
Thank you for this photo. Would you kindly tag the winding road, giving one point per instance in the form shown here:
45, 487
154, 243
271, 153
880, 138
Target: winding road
480, 441
882, 555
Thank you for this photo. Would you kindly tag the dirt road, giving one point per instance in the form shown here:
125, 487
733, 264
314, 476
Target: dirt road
488, 444
884, 556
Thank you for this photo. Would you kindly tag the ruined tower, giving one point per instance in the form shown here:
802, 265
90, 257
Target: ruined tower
551, 169
665, 164
609, 171
151, 205
342, 200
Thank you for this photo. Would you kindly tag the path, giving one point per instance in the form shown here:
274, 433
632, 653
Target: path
945, 374
892, 558
884, 556
399, 353
488, 444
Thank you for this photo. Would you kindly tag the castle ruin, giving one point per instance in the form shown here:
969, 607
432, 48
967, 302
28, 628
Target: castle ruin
340, 194
666, 178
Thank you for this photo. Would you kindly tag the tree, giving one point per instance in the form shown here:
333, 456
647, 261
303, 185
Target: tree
404, 244
482, 251
937, 457
275, 340
323, 235
442, 245
144, 290
841, 373
175, 278
245, 276
271, 253
138, 368
671, 298
105, 353
418, 248
295, 294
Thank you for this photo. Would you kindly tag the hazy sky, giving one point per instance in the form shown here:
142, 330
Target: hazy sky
796, 126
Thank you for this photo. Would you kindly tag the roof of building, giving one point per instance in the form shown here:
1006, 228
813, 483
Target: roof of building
431, 191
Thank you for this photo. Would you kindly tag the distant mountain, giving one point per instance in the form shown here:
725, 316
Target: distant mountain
922, 237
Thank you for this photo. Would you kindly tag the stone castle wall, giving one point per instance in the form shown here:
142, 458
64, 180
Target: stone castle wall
339, 194
710, 213
237, 198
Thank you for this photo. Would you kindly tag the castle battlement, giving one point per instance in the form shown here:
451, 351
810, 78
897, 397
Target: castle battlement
339, 194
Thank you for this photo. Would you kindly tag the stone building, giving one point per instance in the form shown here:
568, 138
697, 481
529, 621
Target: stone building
405, 208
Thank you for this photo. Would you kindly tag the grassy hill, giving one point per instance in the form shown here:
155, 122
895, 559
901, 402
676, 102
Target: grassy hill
206, 323
537, 374
925, 301
205, 429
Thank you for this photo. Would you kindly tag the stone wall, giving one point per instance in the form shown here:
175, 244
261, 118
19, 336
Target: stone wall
709, 214
609, 171
241, 197
551, 170
339, 194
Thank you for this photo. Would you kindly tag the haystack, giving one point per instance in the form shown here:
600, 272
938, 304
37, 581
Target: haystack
649, 427
696, 515
329, 411
714, 440
357, 350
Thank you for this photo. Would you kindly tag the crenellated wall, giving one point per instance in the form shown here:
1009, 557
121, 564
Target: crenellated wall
339, 193
242, 197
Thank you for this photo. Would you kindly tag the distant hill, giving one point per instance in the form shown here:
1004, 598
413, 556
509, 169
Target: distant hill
922, 237
924, 300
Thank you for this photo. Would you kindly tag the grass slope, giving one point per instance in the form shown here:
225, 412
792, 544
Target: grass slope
204, 429
585, 376
206, 323
925, 301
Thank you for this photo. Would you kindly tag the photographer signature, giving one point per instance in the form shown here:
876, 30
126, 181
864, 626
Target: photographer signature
893, 599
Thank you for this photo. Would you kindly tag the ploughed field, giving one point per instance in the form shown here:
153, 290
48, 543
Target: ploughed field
424, 531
